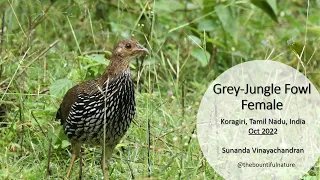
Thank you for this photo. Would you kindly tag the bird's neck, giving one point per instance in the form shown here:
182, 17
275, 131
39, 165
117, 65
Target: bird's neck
117, 66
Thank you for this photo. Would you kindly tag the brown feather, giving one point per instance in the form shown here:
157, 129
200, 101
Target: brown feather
120, 60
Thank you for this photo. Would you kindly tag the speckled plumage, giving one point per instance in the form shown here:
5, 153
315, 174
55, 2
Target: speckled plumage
99, 111
84, 123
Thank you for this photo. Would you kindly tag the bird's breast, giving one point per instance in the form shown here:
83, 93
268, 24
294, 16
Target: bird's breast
103, 116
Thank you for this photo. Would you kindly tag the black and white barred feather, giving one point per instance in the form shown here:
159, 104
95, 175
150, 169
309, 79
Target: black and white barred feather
112, 105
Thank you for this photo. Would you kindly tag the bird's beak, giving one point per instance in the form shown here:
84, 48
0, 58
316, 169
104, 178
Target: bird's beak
141, 49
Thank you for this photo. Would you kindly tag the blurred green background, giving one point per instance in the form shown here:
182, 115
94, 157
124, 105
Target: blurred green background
49, 46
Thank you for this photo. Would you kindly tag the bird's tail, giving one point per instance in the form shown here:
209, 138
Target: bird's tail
59, 116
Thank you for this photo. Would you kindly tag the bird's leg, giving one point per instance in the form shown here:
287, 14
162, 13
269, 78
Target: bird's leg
75, 153
71, 164
106, 155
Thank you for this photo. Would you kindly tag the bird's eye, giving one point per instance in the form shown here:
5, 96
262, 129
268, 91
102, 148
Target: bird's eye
128, 46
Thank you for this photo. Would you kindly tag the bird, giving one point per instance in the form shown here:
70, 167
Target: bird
99, 111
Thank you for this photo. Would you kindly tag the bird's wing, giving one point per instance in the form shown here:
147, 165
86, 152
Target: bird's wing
88, 113
72, 96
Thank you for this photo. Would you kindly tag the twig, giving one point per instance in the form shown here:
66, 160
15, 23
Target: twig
80, 164
49, 157
140, 60
182, 99
17, 19
32, 24
38, 57
1, 70
95, 52
2, 32
173, 130
50, 143
74, 35
21, 119
38, 124
31, 62
131, 172
182, 114
193, 131
213, 55
43, 17
13, 76
149, 139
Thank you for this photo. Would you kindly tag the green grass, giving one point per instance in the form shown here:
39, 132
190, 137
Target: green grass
171, 33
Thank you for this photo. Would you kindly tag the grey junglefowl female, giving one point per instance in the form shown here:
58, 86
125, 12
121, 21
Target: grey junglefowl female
99, 111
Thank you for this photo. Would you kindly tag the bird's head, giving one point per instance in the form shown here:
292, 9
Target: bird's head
122, 53
126, 49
